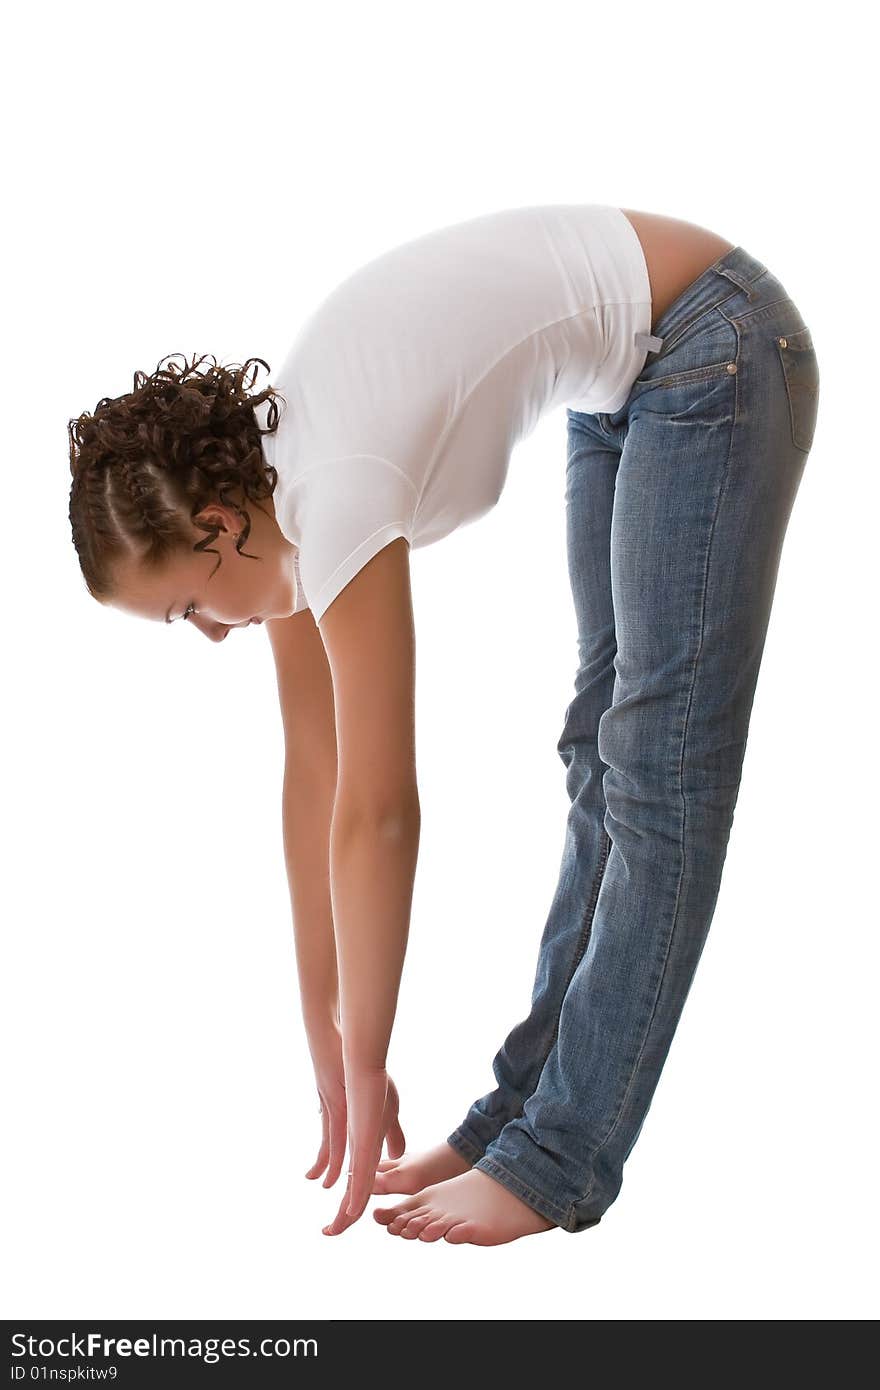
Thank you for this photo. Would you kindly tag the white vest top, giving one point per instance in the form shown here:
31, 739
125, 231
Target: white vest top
406, 389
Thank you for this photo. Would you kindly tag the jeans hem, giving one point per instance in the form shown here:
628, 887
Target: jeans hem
462, 1145
558, 1215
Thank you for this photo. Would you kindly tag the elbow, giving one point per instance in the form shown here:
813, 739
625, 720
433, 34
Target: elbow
395, 818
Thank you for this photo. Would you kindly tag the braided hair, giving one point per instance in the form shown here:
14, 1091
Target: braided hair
179, 440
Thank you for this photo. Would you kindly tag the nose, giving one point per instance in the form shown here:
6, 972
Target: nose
216, 632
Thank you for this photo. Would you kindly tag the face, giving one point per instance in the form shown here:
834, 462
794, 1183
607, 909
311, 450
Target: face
240, 592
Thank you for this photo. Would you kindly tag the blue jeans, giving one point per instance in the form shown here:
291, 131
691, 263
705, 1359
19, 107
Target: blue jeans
676, 510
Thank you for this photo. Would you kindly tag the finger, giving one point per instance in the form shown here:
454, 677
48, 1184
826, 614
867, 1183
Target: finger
320, 1162
341, 1220
338, 1140
395, 1141
362, 1179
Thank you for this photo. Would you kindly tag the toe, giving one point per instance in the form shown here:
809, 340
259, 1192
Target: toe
417, 1223
383, 1183
462, 1234
389, 1214
397, 1225
402, 1179
436, 1228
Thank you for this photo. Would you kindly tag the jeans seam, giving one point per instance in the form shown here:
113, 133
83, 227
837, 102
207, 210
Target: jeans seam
759, 309
691, 376
465, 1146
559, 1215
587, 926
580, 948
670, 342
622, 1104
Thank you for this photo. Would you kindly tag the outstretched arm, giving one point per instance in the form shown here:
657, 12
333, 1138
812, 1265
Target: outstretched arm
368, 633
305, 691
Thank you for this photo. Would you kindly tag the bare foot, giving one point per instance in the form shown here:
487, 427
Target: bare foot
411, 1174
470, 1209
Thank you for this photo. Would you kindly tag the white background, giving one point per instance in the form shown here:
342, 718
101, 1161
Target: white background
195, 178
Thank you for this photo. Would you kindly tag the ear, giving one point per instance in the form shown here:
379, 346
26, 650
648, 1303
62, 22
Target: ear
216, 513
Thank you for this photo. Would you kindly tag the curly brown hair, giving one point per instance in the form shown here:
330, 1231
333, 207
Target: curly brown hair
179, 440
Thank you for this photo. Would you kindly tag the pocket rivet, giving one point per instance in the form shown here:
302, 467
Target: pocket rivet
783, 342
731, 366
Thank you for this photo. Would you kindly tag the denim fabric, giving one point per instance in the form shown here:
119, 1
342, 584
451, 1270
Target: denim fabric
676, 510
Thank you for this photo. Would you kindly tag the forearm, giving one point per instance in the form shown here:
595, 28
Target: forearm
307, 810
372, 873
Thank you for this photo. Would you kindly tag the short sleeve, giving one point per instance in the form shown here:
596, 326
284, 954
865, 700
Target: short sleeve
300, 591
347, 510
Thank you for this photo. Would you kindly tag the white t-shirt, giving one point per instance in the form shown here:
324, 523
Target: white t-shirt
407, 388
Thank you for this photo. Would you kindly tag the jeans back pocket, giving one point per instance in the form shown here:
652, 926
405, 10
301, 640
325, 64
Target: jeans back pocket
800, 371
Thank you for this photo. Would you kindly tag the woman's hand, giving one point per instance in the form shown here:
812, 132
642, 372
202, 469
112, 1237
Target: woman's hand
373, 1105
325, 1046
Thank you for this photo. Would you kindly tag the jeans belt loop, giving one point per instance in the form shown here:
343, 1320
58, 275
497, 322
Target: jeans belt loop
737, 279
649, 341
